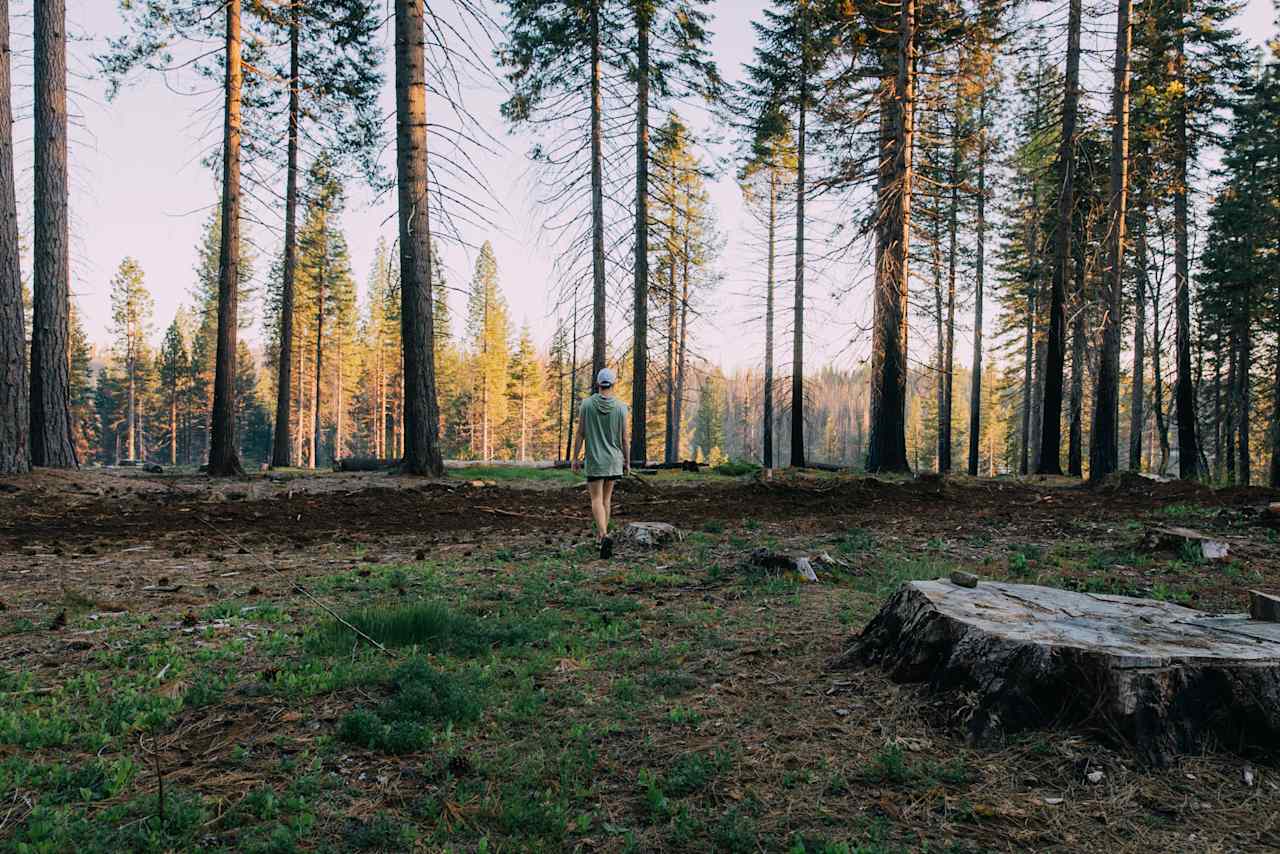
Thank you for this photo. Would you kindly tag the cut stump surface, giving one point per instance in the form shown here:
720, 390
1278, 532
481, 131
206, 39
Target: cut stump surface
1167, 679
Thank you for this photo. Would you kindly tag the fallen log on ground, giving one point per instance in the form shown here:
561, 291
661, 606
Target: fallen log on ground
365, 464
1182, 540
1166, 679
799, 564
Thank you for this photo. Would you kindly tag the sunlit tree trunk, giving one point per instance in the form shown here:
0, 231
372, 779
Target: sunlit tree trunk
421, 419
1104, 449
975, 387
224, 456
1049, 460
640, 348
599, 351
888, 451
15, 414
50, 401
282, 443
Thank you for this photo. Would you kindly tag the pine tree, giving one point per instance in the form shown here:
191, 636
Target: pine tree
174, 369
15, 391
489, 334
766, 177
131, 309
332, 77
527, 401
50, 406
795, 42
421, 417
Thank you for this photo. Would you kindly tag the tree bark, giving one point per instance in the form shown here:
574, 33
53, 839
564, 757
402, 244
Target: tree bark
888, 443
1104, 448
282, 442
421, 424
315, 423
681, 350
953, 228
640, 348
224, 457
797, 323
1137, 415
50, 402
975, 386
1049, 461
1188, 450
767, 397
1273, 479
1028, 381
1245, 343
1030, 656
15, 410
599, 349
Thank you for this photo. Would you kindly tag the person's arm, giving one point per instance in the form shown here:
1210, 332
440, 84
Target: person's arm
579, 441
626, 454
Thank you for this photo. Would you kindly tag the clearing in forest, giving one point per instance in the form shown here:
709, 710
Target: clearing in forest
173, 679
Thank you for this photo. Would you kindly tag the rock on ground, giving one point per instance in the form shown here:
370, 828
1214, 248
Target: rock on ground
650, 534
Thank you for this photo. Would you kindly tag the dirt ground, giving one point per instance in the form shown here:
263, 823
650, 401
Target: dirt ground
813, 759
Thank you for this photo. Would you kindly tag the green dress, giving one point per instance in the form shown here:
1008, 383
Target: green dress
603, 420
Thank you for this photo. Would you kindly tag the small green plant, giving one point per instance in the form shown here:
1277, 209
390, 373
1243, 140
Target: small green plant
422, 696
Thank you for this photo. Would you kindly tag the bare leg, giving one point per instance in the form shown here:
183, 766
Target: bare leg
607, 501
598, 509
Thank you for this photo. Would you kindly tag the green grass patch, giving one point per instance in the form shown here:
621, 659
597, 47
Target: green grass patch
430, 624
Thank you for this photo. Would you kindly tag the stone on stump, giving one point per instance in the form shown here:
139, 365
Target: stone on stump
650, 535
1166, 679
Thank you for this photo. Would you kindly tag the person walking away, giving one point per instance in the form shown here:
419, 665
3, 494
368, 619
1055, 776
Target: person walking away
602, 429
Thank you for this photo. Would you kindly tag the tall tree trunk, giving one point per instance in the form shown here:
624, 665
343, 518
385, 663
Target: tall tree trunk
573, 382
315, 424
1233, 366
1188, 451
953, 228
1104, 447
1157, 364
640, 349
767, 405
1028, 381
673, 333
975, 385
940, 346
421, 423
1075, 455
50, 401
599, 351
15, 411
1137, 417
131, 417
1245, 360
1049, 459
1273, 479
888, 451
681, 350
282, 443
224, 456
797, 332
173, 425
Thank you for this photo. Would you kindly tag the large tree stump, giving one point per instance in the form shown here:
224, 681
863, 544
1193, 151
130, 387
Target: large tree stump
1165, 678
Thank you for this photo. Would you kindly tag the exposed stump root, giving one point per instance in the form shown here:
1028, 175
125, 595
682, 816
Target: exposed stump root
1166, 679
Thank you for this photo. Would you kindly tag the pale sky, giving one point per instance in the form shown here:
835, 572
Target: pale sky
139, 189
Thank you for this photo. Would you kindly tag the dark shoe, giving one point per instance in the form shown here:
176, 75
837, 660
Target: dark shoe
606, 548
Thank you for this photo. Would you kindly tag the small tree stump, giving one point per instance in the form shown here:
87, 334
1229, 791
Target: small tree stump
1264, 607
650, 535
1164, 678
